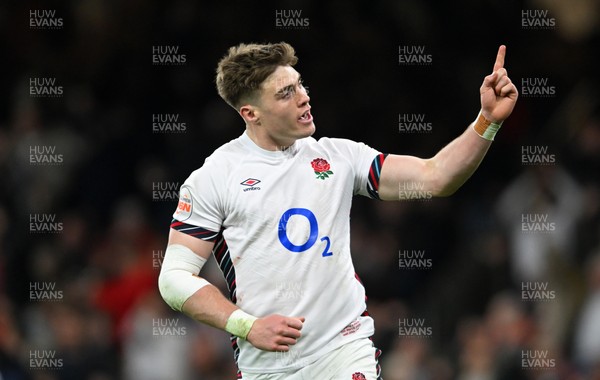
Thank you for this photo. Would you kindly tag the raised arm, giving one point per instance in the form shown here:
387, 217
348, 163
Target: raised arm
450, 168
185, 291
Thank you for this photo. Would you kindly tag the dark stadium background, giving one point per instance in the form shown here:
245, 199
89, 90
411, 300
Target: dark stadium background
470, 297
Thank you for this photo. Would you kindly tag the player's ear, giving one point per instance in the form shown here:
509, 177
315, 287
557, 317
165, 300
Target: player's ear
249, 113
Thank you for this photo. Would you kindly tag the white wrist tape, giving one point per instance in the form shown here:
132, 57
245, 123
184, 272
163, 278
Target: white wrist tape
178, 278
240, 323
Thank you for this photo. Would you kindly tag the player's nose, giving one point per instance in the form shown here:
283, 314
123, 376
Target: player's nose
303, 98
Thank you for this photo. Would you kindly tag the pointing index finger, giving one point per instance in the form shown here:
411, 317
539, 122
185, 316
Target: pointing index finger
500, 58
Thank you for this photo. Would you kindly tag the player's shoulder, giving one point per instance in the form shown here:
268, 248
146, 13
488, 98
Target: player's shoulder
227, 153
220, 161
338, 144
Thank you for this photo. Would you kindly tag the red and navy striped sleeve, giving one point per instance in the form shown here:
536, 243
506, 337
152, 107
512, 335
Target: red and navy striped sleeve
195, 231
374, 174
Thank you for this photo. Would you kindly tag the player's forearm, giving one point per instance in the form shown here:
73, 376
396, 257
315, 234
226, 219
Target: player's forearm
208, 305
185, 291
456, 162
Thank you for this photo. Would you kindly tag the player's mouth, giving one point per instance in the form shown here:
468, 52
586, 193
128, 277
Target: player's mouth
306, 117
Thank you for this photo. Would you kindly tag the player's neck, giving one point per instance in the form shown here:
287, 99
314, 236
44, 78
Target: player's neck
266, 142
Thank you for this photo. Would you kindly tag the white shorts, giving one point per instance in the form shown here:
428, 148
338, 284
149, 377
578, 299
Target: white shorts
356, 360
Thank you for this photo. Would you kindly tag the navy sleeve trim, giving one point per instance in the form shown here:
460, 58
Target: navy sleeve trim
195, 231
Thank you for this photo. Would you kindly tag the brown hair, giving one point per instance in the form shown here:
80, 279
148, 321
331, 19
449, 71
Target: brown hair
245, 67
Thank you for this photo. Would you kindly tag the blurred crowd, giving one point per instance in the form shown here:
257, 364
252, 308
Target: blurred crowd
103, 318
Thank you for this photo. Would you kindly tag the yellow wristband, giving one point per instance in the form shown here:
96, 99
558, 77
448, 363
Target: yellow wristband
486, 128
240, 323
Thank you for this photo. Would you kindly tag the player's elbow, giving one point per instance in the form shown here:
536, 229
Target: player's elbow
163, 285
444, 183
166, 288
178, 278
434, 179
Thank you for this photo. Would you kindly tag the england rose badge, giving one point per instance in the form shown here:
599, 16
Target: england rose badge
321, 168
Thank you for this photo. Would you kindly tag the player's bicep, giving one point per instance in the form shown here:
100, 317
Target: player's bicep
202, 248
400, 172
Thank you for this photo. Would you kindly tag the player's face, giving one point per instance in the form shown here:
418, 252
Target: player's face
283, 107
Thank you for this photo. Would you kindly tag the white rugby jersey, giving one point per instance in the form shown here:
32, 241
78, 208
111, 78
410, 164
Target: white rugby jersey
281, 225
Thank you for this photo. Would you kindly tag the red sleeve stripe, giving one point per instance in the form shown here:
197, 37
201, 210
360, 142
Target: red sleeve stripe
374, 174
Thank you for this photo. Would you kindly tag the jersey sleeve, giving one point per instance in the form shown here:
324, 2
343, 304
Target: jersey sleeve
366, 162
199, 211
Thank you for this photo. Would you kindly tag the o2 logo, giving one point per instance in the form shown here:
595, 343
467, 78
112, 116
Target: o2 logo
313, 236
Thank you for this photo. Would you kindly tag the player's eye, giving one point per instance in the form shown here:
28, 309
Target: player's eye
289, 92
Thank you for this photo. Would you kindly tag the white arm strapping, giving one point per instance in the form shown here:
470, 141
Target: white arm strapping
178, 278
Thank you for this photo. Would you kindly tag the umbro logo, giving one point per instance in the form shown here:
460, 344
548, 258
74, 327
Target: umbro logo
251, 183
